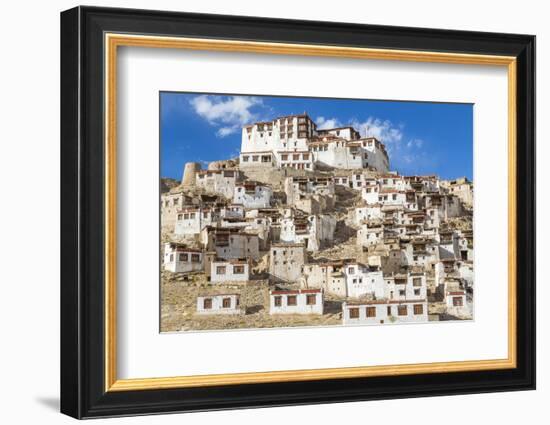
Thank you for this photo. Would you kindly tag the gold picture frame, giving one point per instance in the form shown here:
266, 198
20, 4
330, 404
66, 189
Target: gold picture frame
114, 41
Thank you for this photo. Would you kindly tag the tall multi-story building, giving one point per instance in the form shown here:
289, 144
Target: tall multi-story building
295, 142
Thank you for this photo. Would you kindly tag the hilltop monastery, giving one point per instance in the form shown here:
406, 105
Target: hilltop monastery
315, 215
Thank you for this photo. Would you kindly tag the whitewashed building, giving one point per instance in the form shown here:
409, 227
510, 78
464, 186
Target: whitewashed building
344, 278
191, 220
178, 258
264, 159
342, 180
286, 261
299, 160
232, 211
312, 195
252, 195
392, 197
301, 301
406, 286
393, 182
336, 152
313, 230
219, 304
170, 205
362, 280
346, 133
339, 152
378, 312
230, 270
370, 194
367, 213
456, 302
230, 243
448, 244
370, 234
297, 187
221, 182
422, 252
260, 226
294, 142
361, 179
327, 275
423, 183
461, 188
263, 142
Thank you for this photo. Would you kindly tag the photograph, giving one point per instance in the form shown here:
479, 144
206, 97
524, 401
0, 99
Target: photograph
280, 212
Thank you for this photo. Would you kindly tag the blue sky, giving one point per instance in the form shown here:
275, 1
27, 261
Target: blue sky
421, 138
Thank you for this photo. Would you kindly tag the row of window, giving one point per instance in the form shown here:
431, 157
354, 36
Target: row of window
221, 270
256, 158
321, 148
226, 303
275, 262
360, 280
195, 258
295, 157
175, 201
387, 197
190, 216
402, 310
261, 127
402, 293
292, 300
298, 166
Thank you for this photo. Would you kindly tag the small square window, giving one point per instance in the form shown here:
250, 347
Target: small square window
311, 299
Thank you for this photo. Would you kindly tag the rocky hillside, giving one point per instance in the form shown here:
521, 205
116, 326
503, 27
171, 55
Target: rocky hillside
166, 184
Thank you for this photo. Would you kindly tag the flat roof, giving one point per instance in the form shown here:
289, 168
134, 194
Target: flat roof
294, 291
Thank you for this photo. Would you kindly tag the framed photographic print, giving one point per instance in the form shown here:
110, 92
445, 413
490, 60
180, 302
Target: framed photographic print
261, 212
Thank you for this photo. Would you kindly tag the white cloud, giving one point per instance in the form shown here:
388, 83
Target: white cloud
324, 123
383, 130
406, 155
415, 143
226, 131
409, 159
230, 113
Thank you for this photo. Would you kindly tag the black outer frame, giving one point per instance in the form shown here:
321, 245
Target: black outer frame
82, 206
